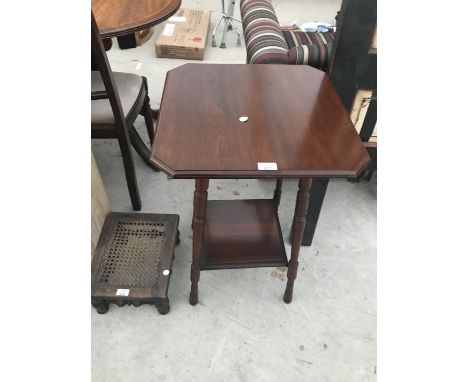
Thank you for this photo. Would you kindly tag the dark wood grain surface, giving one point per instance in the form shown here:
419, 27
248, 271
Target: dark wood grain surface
120, 17
295, 119
249, 237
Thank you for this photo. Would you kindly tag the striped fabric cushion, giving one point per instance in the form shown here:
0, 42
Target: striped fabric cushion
267, 43
309, 48
264, 39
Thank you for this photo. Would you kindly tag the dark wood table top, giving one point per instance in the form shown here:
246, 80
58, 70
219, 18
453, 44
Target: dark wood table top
295, 119
120, 17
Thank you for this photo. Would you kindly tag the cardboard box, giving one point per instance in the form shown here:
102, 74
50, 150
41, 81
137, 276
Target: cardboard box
184, 35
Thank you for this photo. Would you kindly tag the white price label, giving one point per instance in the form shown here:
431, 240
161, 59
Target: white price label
122, 292
267, 166
169, 29
178, 19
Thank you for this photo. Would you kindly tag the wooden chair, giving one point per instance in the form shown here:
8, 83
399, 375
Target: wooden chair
116, 101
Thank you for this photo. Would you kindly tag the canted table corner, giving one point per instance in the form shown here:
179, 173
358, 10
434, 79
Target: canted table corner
295, 121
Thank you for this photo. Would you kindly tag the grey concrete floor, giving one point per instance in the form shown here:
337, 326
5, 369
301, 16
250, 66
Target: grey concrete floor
241, 330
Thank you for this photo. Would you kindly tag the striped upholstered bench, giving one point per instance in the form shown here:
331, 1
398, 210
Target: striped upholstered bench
267, 43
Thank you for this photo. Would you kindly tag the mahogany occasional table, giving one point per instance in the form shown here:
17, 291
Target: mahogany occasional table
296, 123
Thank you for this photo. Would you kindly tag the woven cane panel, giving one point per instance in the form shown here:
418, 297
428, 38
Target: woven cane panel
132, 259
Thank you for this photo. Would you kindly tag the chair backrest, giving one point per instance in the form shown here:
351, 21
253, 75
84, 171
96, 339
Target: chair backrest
100, 63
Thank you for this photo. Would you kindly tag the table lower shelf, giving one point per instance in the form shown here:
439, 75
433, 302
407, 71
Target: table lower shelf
242, 234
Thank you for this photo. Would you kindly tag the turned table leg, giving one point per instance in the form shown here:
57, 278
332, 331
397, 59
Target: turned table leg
199, 210
302, 202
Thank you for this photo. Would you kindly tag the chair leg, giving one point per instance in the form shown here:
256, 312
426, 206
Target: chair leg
130, 174
140, 147
148, 115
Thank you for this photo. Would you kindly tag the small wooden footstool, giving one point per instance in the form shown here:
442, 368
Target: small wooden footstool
133, 260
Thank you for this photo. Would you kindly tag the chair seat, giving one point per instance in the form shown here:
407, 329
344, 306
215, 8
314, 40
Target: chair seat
129, 87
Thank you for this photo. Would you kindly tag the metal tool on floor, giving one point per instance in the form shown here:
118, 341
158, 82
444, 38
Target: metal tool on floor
228, 19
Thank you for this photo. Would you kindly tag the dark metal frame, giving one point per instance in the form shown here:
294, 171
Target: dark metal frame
353, 66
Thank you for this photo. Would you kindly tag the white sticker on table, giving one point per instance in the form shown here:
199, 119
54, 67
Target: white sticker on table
169, 29
267, 166
178, 19
122, 292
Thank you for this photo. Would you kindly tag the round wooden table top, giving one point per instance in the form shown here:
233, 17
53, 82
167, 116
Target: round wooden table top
120, 17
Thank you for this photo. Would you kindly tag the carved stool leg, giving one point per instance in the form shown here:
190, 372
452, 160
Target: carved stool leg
101, 306
163, 306
302, 202
198, 222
